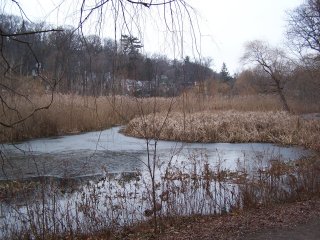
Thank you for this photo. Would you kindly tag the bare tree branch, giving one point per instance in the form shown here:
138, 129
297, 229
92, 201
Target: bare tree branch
3, 34
304, 26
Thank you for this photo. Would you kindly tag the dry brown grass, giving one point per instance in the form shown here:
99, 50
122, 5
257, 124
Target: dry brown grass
228, 126
191, 102
74, 113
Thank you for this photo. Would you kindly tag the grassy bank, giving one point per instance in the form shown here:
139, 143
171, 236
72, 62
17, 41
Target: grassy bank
228, 126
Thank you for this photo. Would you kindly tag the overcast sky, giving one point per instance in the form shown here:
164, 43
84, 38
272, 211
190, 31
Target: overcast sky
231, 23
225, 25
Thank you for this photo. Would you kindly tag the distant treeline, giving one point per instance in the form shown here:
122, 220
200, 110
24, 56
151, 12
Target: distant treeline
89, 65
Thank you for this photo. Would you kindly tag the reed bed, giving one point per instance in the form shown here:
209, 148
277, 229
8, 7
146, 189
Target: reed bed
190, 102
75, 113
228, 126
71, 114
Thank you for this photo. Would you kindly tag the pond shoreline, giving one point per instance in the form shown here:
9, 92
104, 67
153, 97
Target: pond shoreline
252, 124
97, 153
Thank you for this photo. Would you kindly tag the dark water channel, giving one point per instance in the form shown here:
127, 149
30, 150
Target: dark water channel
95, 153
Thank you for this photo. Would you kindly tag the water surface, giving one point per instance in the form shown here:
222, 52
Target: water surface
95, 153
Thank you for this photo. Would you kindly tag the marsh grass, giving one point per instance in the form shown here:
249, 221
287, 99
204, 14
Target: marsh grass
191, 102
73, 113
230, 126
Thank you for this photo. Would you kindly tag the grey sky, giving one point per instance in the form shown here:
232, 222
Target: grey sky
231, 23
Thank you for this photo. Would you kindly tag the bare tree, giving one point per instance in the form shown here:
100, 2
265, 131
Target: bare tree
304, 27
303, 33
273, 61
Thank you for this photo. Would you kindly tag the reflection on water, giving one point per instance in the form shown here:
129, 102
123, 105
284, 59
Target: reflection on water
70, 164
94, 153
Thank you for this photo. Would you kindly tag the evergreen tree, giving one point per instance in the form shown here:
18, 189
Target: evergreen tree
224, 73
130, 45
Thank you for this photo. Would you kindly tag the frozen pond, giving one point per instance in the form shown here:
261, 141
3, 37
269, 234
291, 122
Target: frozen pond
95, 153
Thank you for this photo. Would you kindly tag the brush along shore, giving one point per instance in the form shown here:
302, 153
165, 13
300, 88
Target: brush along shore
228, 126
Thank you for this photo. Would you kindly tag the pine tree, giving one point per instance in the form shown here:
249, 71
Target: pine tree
224, 73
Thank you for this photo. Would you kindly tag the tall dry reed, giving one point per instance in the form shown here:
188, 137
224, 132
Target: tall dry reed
74, 113
229, 126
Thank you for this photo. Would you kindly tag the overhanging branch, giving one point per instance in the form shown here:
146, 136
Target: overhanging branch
3, 34
146, 4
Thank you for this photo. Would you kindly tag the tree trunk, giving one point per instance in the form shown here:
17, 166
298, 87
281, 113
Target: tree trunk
282, 97
284, 101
